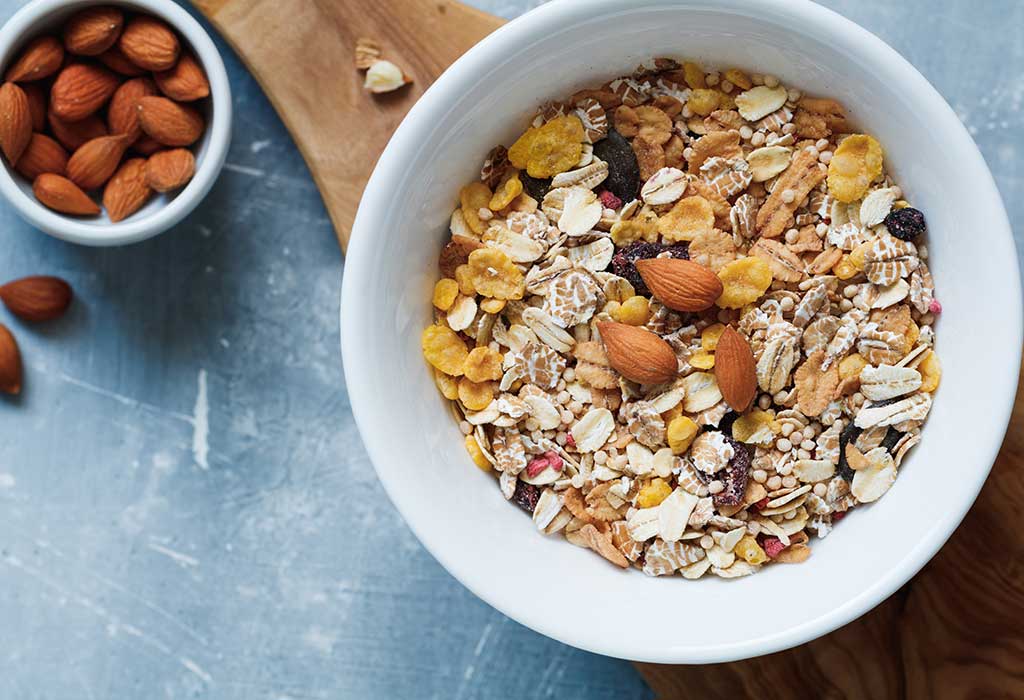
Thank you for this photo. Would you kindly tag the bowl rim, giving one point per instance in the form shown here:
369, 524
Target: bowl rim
359, 369
131, 230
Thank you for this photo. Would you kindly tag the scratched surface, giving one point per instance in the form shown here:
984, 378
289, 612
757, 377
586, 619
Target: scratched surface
186, 509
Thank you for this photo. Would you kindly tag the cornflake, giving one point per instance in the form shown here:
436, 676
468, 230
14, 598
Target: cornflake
821, 275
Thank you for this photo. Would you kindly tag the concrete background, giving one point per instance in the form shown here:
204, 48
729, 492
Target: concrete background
186, 509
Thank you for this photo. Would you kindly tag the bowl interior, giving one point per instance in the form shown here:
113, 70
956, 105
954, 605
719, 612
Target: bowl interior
49, 17
458, 512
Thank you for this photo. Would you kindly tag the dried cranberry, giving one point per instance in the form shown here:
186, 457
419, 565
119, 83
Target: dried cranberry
838, 515
526, 496
734, 476
772, 546
609, 200
624, 261
906, 224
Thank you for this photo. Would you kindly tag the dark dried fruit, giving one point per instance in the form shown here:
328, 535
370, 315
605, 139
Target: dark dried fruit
850, 434
891, 439
624, 261
533, 186
725, 425
734, 476
623, 170
526, 496
906, 224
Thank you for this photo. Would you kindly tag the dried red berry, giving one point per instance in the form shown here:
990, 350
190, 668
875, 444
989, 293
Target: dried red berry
772, 546
734, 476
609, 200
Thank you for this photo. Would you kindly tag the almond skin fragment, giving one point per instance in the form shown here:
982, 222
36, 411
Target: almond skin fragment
73, 134
80, 90
60, 194
93, 30
735, 370
637, 354
682, 285
96, 160
123, 113
37, 298
149, 43
10, 362
127, 190
40, 59
43, 155
185, 82
15, 122
169, 170
170, 123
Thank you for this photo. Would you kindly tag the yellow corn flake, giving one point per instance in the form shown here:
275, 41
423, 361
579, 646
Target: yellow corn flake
550, 149
483, 364
857, 161
475, 396
750, 551
844, 269
900, 204
856, 257
738, 78
726, 101
851, 366
634, 311
702, 360
449, 386
492, 306
694, 75
620, 290
493, 274
644, 226
476, 454
474, 197
690, 217
444, 349
464, 278
703, 101
744, 281
709, 337
510, 188
931, 372
755, 428
611, 308
445, 292
680, 433
653, 493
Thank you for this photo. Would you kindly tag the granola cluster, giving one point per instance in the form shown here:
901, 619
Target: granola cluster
711, 412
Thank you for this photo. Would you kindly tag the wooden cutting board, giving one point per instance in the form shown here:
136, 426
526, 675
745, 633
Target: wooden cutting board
954, 631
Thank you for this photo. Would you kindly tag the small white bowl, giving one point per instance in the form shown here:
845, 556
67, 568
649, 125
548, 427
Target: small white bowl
457, 511
163, 210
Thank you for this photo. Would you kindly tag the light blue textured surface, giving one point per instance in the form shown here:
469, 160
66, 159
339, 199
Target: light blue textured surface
135, 564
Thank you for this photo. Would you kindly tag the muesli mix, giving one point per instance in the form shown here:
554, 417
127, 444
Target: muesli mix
686, 319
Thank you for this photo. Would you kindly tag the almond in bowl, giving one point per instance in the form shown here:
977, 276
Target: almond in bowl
107, 108
686, 320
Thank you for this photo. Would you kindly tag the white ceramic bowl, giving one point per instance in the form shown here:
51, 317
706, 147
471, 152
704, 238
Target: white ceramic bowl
163, 210
456, 510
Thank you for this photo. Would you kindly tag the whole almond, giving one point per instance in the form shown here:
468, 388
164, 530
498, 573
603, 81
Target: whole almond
60, 194
146, 145
185, 82
37, 298
637, 354
73, 134
93, 30
127, 190
37, 97
682, 285
10, 362
15, 122
149, 43
170, 123
123, 113
40, 59
735, 370
114, 59
169, 170
43, 155
96, 160
80, 89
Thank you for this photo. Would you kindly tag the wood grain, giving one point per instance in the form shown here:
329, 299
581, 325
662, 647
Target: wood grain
301, 53
954, 631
